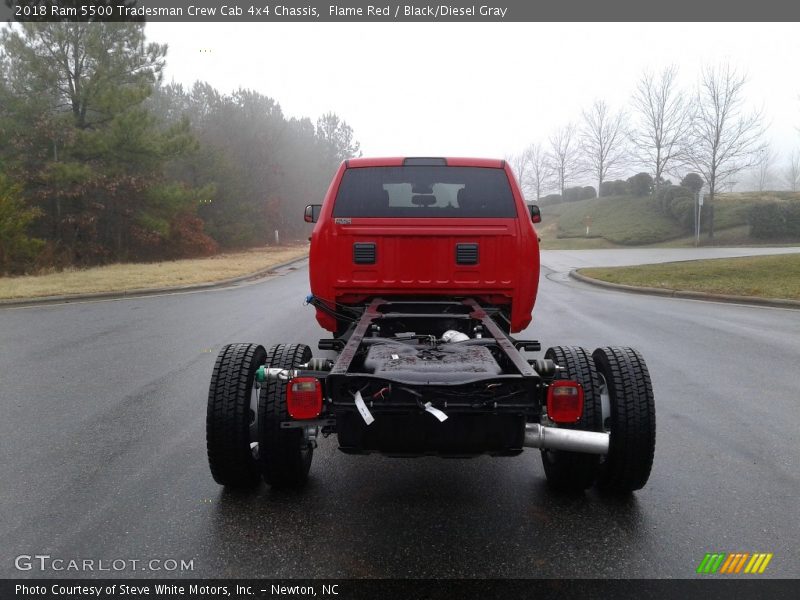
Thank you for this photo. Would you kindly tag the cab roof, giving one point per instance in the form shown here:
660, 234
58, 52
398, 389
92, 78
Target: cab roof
399, 161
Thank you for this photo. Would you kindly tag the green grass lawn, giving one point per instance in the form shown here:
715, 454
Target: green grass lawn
763, 276
618, 221
732, 209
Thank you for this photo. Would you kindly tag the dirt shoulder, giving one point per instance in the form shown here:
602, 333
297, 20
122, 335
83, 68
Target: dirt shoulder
137, 276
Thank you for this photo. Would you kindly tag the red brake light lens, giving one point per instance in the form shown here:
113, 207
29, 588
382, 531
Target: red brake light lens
304, 397
565, 401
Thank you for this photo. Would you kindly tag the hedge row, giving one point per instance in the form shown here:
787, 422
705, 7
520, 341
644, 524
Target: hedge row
775, 220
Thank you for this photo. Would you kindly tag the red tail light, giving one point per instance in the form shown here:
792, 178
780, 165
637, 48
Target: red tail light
565, 401
304, 397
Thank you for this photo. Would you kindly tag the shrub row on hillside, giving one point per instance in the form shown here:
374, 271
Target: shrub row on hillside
775, 220
677, 202
618, 187
571, 194
640, 184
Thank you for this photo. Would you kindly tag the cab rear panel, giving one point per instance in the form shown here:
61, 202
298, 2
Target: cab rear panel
393, 230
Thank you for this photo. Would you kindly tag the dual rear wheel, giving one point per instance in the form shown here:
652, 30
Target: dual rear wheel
245, 442
618, 398
243, 435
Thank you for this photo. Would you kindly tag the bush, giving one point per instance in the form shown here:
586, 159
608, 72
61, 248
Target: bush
663, 182
17, 249
775, 220
693, 182
682, 210
574, 194
641, 184
550, 199
617, 187
187, 238
677, 202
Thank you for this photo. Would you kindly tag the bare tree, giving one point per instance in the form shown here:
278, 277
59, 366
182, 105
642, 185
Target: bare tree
532, 170
539, 172
724, 138
564, 156
762, 171
662, 120
520, 164
603, 141
791, 173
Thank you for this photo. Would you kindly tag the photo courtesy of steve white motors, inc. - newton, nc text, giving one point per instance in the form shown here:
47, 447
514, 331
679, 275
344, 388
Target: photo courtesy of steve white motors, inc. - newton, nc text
399, 300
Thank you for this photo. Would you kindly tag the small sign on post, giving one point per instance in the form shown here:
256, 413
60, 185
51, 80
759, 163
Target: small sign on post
588, 221
698, 214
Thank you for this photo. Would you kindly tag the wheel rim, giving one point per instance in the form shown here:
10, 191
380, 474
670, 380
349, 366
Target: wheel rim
605, 409
254, 395
605, 403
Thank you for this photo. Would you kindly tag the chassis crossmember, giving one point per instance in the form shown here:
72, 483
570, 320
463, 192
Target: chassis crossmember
396, 388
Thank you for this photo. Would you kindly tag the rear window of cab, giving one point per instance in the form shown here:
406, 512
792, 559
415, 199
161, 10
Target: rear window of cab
425, 192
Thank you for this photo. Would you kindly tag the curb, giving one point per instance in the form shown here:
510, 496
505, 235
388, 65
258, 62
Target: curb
44, 300
685, 294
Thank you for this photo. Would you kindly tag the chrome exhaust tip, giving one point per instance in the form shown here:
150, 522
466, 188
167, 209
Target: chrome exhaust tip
573, 440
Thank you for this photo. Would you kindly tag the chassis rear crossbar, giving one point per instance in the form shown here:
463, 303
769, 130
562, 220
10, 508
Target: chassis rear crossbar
536, 436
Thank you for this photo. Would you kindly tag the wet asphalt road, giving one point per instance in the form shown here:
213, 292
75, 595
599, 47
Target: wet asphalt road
102, 449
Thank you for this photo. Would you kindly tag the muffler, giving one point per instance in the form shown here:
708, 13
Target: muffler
574, 440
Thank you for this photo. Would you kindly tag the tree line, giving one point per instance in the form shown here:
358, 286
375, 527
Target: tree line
707, 133
100, 161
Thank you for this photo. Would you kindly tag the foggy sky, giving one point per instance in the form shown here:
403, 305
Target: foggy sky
483, 89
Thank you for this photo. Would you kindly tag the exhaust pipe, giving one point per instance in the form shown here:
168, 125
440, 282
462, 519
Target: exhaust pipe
574, 440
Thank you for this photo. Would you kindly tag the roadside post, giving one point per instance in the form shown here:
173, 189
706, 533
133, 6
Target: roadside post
697, 215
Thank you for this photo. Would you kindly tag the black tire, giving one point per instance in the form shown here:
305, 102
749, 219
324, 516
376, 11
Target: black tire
632, 421
229, 416
284, 455
575, 470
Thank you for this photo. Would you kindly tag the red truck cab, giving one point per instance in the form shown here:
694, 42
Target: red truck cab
424, 227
